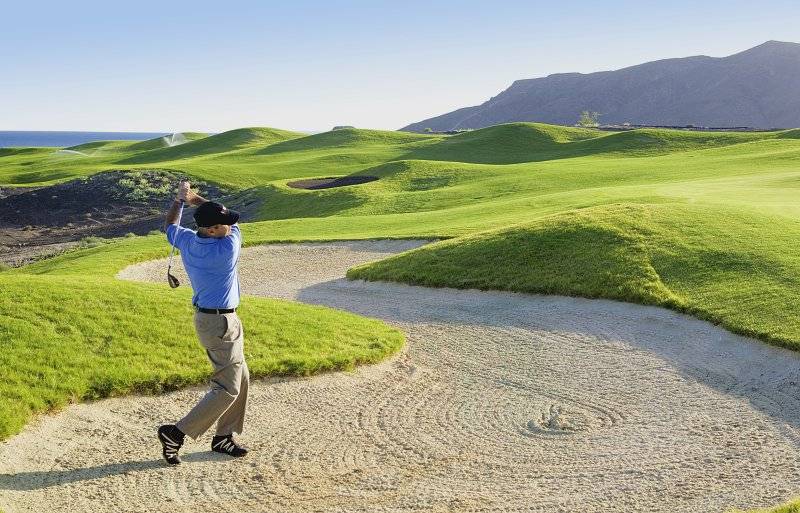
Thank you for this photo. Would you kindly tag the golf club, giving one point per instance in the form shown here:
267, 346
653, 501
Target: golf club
173, 281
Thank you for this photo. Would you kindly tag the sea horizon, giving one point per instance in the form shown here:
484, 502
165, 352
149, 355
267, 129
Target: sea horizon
66, 138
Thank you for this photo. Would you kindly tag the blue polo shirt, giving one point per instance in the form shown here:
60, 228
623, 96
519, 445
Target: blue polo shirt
210, 264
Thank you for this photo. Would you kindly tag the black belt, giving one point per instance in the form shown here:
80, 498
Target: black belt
215, 310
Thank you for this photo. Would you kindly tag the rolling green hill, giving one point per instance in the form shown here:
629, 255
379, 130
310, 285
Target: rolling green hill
231, 140
166, 141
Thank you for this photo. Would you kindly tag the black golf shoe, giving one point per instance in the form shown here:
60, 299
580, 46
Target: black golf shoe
227, 445
171, 439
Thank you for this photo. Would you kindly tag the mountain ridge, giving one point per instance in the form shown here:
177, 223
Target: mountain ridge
755, 87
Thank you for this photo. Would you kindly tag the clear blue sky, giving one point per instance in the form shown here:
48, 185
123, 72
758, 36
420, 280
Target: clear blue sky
175, 65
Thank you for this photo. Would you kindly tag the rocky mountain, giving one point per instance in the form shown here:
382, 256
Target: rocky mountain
759, 87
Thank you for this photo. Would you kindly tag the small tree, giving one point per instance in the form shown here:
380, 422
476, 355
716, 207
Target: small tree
428, 130
589, 119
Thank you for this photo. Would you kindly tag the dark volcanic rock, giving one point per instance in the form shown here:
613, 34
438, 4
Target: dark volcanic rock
114, 197
107, 204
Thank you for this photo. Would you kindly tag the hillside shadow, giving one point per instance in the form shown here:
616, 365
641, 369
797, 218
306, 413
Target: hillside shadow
37, 480
344, 138
39, 176
46, 478
309, 142
284, 204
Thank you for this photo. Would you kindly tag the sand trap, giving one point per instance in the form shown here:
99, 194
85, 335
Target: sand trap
501, 402
330, 182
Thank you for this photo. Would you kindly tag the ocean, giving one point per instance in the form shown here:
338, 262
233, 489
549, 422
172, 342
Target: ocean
64, 139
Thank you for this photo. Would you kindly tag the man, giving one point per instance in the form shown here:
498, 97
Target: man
210, 256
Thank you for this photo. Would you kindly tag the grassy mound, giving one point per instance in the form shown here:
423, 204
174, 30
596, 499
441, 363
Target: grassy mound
161, 142
724, 265
534, 142
10, 152
70, 338
506, 144
345, 137
252, 157
96, 147
651, 141
231, 140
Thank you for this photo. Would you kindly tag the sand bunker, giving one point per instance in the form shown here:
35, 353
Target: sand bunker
330, 182
500, 402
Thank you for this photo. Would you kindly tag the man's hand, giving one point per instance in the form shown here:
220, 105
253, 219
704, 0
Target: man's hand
183, 192
184, 195
187, 195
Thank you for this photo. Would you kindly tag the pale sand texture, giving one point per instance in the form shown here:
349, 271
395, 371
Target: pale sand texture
500, 402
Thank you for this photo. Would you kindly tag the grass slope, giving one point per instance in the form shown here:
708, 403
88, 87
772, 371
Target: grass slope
219, 143
345, 137
733, 267
250, 157
533, 142
67, 339
161, 142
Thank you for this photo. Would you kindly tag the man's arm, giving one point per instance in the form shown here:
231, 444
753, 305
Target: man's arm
172, 213
194, 199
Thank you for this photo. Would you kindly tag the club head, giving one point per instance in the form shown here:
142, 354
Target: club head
173, 281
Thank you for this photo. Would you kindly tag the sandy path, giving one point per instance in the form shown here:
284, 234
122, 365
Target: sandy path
501, 402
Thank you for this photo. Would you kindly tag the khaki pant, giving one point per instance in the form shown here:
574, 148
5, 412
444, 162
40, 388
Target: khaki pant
222, 337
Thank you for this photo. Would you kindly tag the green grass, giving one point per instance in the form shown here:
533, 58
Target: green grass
705, 223
70, 338
249, 157
789, 507
159, 142
225, 142
733, 267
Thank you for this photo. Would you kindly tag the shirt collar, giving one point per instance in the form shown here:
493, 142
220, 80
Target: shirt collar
205, 239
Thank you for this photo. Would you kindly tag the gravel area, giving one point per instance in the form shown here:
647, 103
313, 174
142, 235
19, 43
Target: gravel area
500, 402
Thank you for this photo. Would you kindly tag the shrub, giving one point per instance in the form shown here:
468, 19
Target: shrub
589, 119
90, 242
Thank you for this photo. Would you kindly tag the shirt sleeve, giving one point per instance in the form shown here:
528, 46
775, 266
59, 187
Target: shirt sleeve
233, 244
178, 235
236, 235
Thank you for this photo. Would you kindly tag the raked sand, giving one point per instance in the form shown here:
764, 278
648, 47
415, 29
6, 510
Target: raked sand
500, 402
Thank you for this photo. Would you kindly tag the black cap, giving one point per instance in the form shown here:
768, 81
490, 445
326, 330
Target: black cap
211, 213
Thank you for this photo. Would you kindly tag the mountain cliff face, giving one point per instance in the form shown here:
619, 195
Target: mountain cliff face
759, 88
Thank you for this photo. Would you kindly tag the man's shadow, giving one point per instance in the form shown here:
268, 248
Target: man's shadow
46, 478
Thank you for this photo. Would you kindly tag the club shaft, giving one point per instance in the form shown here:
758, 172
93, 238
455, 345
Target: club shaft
172, 251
